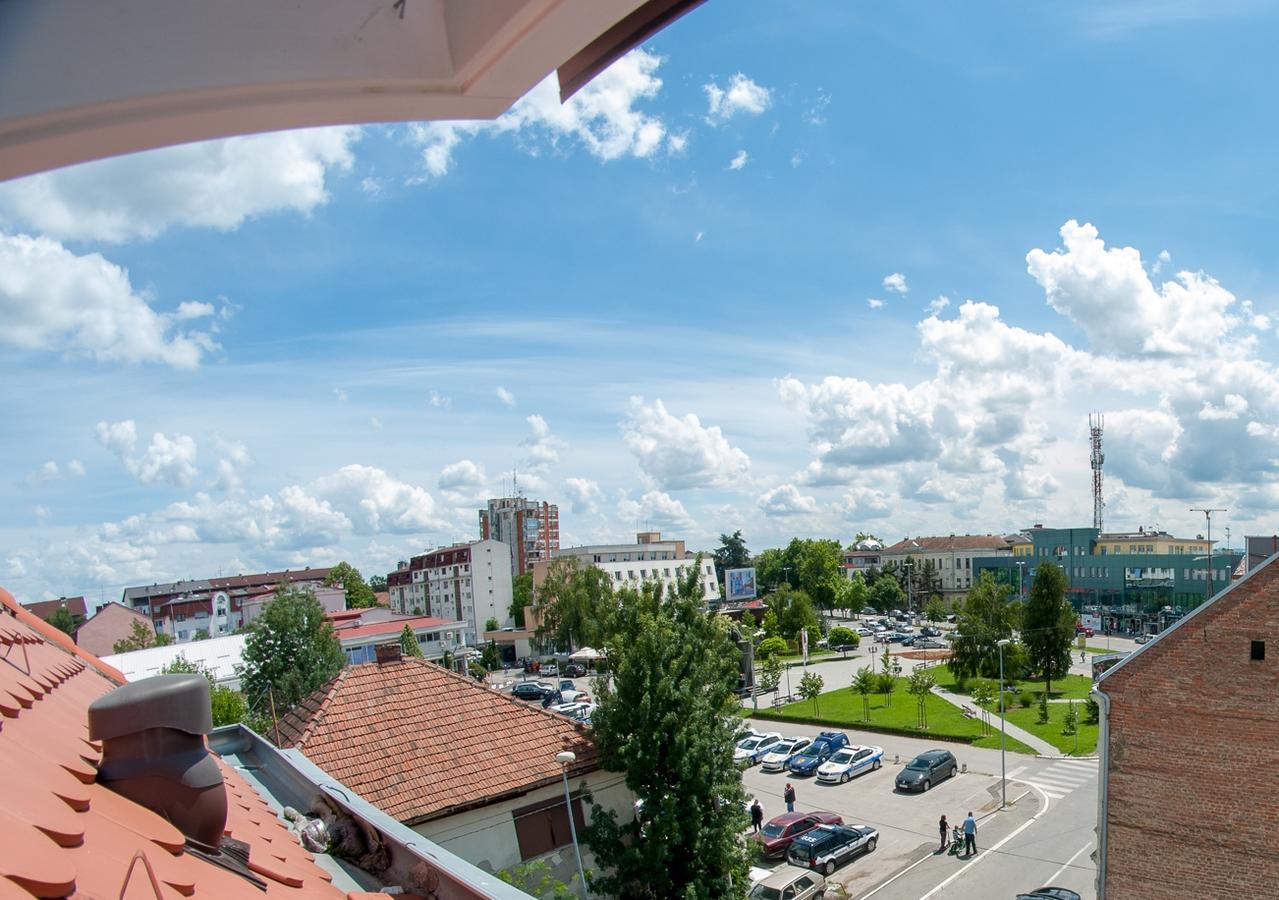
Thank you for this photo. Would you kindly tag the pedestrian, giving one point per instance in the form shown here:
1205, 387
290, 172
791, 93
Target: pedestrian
970, 835
1081, 656
757, 816
789, 796
945, 833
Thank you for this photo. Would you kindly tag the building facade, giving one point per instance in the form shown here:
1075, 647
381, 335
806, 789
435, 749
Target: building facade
531, 528
952, 558
648, 559
113, 622
74, 605
862, 557
470, 583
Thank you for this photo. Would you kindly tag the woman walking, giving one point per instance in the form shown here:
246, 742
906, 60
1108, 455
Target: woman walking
945, 833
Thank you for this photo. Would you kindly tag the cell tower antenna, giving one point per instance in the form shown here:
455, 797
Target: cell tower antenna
1095, 423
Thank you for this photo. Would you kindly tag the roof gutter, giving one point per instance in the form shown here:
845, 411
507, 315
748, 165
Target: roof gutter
1102, 700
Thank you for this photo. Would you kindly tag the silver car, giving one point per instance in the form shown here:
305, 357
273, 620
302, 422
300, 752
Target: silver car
789, 883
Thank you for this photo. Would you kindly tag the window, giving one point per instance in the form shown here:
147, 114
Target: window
1259, 650
543, 827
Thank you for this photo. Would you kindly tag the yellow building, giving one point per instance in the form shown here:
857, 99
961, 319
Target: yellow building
1142, 541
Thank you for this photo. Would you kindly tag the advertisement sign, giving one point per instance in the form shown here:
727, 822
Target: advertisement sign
740, 584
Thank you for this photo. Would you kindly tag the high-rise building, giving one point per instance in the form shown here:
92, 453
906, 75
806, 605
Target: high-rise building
470, 583
531, 528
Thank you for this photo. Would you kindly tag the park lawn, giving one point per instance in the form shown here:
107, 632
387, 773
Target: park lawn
1066, 743
843, 708
1072, 687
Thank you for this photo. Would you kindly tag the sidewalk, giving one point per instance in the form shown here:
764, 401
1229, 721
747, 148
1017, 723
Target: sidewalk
1040, 746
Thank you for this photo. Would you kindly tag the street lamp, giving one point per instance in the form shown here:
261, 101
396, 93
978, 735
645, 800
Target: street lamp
1003, 765
565, 757
908, 566
1021, 580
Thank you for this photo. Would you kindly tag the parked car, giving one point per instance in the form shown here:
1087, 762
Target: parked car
550, 668
532, 690
924, 643
816, 753
1050, 893
827, 847
775, 838
846, 648
929, 631
570, 709
779, 754
566, 684
927, 769
1142, 638
849, 761
864, 631
789, 883
1084, 630
901, 637
752, 750
575, 670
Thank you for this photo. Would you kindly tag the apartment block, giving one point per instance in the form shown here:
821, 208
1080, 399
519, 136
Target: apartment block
470, 583
531, 528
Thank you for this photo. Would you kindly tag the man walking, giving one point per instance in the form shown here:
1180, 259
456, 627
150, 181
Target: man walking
944, 828
970, 835
757, 816
789, 796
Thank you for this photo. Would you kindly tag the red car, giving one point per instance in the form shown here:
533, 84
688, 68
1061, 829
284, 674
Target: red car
775, 837
1084, 630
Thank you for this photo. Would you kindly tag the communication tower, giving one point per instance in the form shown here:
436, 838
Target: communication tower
1095, 422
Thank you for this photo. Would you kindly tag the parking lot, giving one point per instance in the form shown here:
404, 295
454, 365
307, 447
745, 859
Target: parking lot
907, 823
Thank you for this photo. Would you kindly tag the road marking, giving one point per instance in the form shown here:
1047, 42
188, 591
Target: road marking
1017, 771
1052, 878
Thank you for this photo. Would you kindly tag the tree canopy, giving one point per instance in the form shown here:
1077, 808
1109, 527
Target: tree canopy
226, 705
853, 594
577, 605
814, 566
521, 597
377, 583
886, 594
62, 620
290, 649
408, 643
1048, 624
987, 615
793, 610
141, 636
668, 719
731, 554
358, 594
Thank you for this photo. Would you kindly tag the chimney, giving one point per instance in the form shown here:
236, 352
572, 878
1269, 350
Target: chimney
388, 653
153, 753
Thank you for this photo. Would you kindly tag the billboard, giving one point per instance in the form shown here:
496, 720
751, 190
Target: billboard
739, 584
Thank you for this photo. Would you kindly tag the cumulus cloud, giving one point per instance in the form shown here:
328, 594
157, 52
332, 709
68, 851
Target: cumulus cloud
786, 500
165, 460
742, 95
874, 303
234, 457
51, 471
583, 493
543, 447
438, 400
896, 283
861, 503
53, 299
505, 396
214, 184
738, 162
603, 118
656, 509
937, 304
675, 452
374, 501
462, 482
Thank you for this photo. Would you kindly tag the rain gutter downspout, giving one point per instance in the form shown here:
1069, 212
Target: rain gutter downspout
1103, 794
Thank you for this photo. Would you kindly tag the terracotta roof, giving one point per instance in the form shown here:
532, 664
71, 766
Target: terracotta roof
947, 544
454, 743
66, 835
45, 608
389, 628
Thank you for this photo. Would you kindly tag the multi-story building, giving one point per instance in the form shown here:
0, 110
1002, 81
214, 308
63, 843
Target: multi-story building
648, 559
73, 605
952, 557
183, 609
470, 583
862, 557
531, 528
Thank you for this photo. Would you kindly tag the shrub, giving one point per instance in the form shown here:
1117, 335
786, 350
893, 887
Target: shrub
770, 646
1092, 712
1042, 718
1024, 700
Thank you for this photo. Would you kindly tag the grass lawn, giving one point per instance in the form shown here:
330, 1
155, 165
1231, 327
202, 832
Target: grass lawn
1026, 718
844, 708
1072, 687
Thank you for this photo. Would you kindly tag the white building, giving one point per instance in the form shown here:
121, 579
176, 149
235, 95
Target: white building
470, 583
952, 557
649, 559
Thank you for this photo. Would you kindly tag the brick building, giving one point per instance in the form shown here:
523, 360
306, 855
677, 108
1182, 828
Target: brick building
531, 528
1190, 754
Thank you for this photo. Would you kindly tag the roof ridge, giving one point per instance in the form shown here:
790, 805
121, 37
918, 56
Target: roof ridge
321, 711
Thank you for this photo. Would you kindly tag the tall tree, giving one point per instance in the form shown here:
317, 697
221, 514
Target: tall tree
853, 595
141, 636
986, 616
226, 705
769, 569
886, 594
358, 594
409, 645
1048, 623
62, 620
794, 611
668, 721
290, 649
934, 609
821, 570
731, 554
577, 605
864, 684
521, 597
377, 583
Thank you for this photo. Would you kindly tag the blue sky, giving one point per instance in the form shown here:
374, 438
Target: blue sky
706, 295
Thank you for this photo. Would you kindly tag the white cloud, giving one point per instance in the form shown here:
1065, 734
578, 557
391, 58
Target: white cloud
656, 509
1164, 257
603, 118
738, 162
41, 513
676, 453
937, 304
341, 395
505, 396
374, 501
697, 238
1232, 407
51, 471
75, 469
438, 400
797, 159
583, 493
375, 423
52, 299
543, 447
896, 283
786, 500
861, 503
234, 457
165, 460
462, 482
816, 114
741, 96
214, 184
874, 303
676, 144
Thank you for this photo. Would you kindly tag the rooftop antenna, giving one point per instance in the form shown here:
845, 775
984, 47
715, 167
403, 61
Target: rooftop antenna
1095, 422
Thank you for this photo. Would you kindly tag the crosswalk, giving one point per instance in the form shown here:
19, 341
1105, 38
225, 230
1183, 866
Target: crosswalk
1062, 777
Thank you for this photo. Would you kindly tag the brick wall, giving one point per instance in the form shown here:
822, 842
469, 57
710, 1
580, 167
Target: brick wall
1193, 756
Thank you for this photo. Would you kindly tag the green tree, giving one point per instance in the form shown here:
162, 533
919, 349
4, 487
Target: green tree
771, 673
491, 624
853, 595
201, 634
226, 705
1048, 624
141, 636
983, 692
887, 684
535, 879
865, 683
773, 646
62, 620
987, 616
770, 568
358, 594
840, 636
377, 583
731, 554
886, 594
409, 645
934, 609
821, 571
577, 605
668, 719
1042, 718
290, 650
772, 627
794, 610
521, 597
1092, 711
920, 684
810, 688
1071, 723
491, 658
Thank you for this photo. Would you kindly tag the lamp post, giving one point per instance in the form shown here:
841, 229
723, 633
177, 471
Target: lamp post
908, 566
1208, 515
565, 757
1021, 580
1003, 765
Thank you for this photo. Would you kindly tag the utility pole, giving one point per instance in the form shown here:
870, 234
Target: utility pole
1208, 515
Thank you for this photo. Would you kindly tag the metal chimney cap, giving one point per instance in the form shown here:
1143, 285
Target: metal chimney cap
180, 702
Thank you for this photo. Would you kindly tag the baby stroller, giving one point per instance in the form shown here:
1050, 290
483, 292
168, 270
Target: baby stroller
956, 841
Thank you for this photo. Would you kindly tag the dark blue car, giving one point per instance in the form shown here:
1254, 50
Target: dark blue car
816, 753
